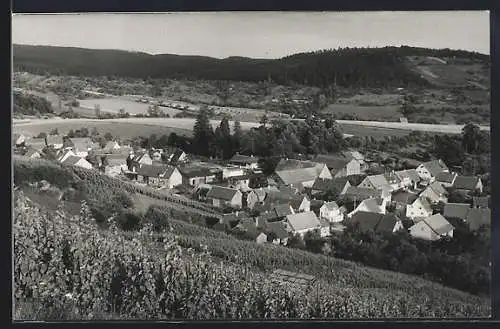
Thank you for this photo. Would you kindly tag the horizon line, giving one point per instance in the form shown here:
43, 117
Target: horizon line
257, 58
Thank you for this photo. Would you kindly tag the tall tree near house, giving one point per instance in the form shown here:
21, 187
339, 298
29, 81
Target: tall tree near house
94, 132
224, 138
237, 135
108, 136
203, 134
264, 119
471, 136
97, 110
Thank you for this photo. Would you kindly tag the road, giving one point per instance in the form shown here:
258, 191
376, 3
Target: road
188, 123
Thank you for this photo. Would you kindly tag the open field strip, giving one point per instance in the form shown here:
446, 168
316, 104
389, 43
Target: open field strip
446, 129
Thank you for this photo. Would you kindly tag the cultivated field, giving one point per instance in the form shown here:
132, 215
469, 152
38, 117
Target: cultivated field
384, 113
433, 128
114, 104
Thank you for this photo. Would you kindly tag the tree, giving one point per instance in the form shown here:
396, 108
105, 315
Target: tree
237, 135
94, 132
123, 114
108, 136
449, 150
264, 119
97, 110
202, 134
54, 132
41, 135
471, 136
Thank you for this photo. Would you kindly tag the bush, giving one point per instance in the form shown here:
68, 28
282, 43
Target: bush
129, 220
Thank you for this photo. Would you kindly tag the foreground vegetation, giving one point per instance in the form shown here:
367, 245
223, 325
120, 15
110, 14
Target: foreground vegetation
66, 268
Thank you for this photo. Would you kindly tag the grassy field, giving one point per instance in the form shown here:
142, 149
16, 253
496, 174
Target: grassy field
446, 129
114, 104
382, 113
120, 129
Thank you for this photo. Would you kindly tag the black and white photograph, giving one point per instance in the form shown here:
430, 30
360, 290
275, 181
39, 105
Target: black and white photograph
251, 166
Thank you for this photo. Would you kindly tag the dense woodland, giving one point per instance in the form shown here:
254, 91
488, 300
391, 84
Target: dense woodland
29, 104
349, 67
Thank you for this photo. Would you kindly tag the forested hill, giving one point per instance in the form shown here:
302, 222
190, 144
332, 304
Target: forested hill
353, 67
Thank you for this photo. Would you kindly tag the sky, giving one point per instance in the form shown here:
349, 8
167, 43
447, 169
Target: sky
254, 34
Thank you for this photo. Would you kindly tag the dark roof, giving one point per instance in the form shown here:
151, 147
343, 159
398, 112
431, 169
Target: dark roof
435, 167
438, 224
361, 193
466, 182
278, 228
282, 210
316, 204
333, 162
437, 188
366, 220
296, 202
155, 170
478, 217
387, 223
456, 210
446, 177
481, 201
239, 158
404, 197
222, 193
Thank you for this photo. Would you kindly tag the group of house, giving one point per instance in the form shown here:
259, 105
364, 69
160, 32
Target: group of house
389, 202
326, 193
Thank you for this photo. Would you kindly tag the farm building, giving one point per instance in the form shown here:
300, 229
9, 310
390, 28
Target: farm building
418, 209
164, 175
77, 161
331, 212
340, 166
432, 228
375, 205
303, 222
375, 222
243, 161
468, 183
435, 193
223, 197
428, 171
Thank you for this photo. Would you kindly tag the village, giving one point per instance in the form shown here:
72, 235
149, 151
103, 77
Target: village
323, 195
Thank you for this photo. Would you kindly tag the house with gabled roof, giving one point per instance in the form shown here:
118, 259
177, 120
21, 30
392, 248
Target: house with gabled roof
331, 212
408, 178
194, 176
468, 183
376, 222
432, 228
429, 170
244, 161
356, 155
376, 205
376, 182
303, 222
164, 175
339, 165
223, 197
418, 209
65, 154
435, 193
446, 178
321, 185
77, 161
478, 217
256, 196
456, 210
358, 194
138, 159
278, 232
296, 173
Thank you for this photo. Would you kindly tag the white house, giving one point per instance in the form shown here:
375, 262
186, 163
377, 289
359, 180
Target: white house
420, 208
77, 161
66, 155
302, 222
331, 212
243, 161
428, 171
435, 192
168, 176
374, 205
223, 197
139, 159
300, 204
408, 178
228, 172
432, 228
256, 196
